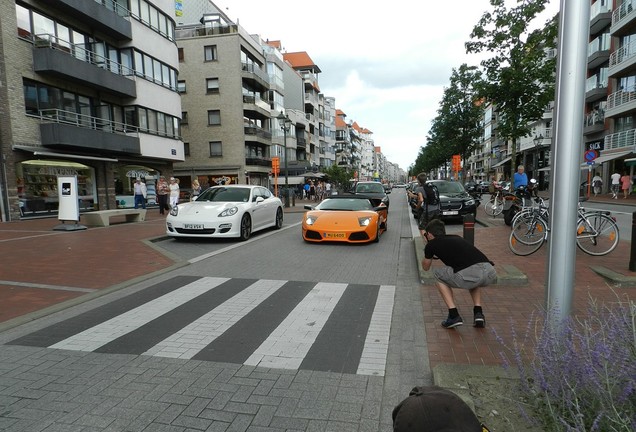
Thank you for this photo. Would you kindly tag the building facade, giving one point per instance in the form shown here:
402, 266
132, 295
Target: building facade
89, 90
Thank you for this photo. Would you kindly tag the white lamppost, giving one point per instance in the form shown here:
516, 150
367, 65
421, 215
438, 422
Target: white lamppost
285, 125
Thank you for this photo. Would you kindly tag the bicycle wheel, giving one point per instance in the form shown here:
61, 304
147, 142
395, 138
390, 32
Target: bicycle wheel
524, 213
528, 237
493, 206
596, 234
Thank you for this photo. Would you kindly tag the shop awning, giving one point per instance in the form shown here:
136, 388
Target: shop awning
291, 180
37, 151
607, 157
498, 164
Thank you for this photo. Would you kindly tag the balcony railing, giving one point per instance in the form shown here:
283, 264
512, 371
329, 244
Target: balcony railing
256, 100
601, 43
595, 82
259, 132
595, 117
600, 7
86, 121
621, 97
203, 30
621, 140
252, 68
53, 42
622, 54
258, 161
114, 6
625, 11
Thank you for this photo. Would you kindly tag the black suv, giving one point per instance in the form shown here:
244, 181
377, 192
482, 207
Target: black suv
372, 190
455, 202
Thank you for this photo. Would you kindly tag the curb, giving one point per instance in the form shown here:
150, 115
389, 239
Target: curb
615, 278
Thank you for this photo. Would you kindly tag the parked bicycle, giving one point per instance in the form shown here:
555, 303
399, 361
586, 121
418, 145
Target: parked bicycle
495, 204
596, 231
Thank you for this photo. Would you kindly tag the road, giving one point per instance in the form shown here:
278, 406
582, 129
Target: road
269, 334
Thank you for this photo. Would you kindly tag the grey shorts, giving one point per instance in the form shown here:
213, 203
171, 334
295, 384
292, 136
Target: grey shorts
480, 274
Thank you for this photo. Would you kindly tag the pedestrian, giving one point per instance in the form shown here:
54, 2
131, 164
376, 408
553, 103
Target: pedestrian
174, 192
434, 409
616, 184
140, 192
163, 189
626, 184
306, 188
520, 178
327, 188
312, 190
597, 184
196, 189
465, 267
427, 202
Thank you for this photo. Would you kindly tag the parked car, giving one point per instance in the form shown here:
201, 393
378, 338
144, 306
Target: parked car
226, 211
372, 189
483, 186
455, 202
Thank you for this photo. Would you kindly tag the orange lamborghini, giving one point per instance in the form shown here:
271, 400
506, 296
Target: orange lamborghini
345, 218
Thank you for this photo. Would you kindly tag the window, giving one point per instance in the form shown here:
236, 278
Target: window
214, 117
181, 86
212, 85
216, 149
181, 54
186, 149
210, 52
24, 21
184, 117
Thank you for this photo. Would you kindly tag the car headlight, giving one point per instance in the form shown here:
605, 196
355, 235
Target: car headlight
310, 220
229, 212
364, 221
174, 210
469, 202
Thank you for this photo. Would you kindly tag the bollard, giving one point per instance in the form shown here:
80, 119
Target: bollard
469, 228
632, 249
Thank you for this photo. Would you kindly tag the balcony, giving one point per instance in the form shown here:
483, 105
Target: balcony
624, 140
600, 16
598, 51
109, 18
621, 102
623, 20
71, 131
595, 88
56, 57
257, 134
594, 122
622, 62
257, 106
258, 161
255, 75
186, 32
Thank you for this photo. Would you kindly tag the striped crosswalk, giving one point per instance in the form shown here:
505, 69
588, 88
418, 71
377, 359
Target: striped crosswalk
267, 323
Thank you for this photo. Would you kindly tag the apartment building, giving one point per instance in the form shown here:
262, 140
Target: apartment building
89, 90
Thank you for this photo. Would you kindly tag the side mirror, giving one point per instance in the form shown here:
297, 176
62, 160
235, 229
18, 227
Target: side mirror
259, 199
308, 207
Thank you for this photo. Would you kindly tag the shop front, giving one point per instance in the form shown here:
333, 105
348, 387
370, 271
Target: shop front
37, 185
125, 176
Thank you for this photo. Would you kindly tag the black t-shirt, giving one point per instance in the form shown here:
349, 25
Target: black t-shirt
455, 252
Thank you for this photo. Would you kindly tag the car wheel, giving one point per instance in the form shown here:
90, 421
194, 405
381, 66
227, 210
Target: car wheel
246, 228
377, 233
279, 219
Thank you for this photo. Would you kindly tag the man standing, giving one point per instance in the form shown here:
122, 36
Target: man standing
163, 189
465, 267
520, 178
140, 193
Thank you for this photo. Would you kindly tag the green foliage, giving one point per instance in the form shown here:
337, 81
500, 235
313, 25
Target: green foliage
339, 176
519, 78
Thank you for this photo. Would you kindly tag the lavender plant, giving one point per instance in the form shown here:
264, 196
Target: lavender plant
580, 374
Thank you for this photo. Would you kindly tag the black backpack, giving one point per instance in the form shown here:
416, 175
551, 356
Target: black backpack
431, 194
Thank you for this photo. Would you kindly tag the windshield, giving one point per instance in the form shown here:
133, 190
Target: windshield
345, 204
445, 187
363, 188
225, 194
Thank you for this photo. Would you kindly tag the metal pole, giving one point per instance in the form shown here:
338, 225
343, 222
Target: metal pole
286, 174
574, 22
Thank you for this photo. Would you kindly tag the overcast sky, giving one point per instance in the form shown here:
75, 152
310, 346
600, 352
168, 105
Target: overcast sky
385, 66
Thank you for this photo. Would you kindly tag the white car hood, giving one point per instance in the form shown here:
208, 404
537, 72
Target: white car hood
194, 208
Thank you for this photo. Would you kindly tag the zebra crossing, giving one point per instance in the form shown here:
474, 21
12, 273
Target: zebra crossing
277, 324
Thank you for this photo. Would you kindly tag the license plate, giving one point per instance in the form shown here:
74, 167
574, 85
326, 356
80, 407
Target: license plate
335, 235
193, 226
450, 213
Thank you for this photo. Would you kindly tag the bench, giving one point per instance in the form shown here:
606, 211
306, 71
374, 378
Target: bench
102, 217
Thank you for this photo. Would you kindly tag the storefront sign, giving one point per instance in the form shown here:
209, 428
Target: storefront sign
68, 209
137, 174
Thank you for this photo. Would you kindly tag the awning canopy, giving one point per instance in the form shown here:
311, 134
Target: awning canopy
40, 151
291, 180
607, 157
498, 164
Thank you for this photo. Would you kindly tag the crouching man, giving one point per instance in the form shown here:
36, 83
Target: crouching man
465, 267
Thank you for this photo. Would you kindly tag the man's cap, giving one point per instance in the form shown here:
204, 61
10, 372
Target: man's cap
434, 409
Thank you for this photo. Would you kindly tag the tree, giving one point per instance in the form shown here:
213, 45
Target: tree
339, 177
520, 78
459, 124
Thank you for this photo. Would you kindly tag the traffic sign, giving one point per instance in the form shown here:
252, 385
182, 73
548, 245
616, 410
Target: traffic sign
590, 155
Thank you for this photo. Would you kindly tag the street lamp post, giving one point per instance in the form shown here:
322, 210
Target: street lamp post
538, 140
285, 125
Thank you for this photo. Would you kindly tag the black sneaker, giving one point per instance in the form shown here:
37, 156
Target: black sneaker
479, 320
452, 322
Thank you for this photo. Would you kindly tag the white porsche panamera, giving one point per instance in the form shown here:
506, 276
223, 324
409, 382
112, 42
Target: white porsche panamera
226, 211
